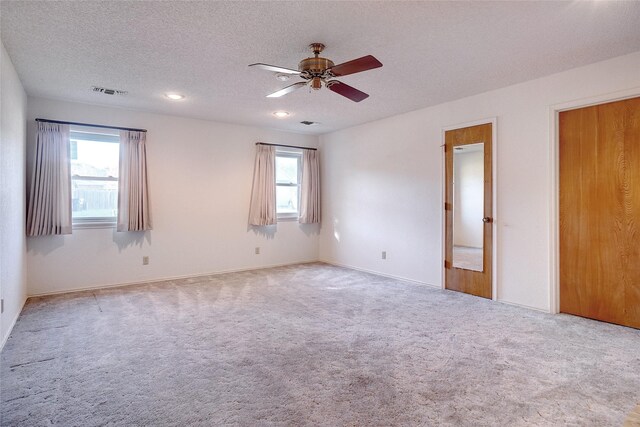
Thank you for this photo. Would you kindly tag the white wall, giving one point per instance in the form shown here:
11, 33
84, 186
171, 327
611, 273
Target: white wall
468, 198
13, 273
382, 187
200, 184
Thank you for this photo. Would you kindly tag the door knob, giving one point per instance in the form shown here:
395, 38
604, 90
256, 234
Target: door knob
487, 219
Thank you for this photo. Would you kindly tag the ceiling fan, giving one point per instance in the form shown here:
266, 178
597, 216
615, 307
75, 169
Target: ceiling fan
318, 70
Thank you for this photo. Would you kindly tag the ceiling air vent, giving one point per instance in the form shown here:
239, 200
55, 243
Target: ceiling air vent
308, 123
108, 91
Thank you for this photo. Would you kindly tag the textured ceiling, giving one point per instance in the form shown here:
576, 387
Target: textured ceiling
432, 52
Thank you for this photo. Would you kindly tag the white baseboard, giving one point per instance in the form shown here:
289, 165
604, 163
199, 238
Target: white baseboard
377, 273
529, 307
188, 276
13, 323
163, 279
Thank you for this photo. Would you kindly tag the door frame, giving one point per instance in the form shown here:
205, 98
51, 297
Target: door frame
494, 203
554, 182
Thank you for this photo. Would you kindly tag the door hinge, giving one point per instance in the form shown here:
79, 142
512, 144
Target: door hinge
446, 264
447, 206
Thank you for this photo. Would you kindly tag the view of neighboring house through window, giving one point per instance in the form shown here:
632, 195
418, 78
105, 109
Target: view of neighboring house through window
94, 175
288, 183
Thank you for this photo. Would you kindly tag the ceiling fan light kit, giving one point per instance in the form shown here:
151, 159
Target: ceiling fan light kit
318, 71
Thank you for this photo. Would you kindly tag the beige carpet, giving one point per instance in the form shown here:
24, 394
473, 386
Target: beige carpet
310, 345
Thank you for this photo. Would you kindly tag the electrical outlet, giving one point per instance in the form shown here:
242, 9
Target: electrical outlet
257, 250
145, 260
384, 254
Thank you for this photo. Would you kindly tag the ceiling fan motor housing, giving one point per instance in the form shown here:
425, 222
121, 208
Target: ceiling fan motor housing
316, 66
315, 69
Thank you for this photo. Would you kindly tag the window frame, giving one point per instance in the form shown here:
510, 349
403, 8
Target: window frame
96, 135
296, 154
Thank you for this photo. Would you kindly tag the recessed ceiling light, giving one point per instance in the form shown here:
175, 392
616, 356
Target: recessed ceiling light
283, 77
174, 96
281, 114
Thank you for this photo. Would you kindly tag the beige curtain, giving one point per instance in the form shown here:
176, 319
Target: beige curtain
310, 188
263, 195
49, 209
133, 190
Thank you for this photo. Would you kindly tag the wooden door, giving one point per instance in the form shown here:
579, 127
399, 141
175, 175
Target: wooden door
458, 277
600, 212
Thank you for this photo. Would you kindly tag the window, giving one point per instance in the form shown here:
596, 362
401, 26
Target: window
287, 183
94, 175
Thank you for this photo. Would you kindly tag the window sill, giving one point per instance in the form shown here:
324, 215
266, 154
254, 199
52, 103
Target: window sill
93, 224
288, 218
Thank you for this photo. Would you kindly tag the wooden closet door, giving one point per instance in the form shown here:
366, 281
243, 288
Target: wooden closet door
600, 212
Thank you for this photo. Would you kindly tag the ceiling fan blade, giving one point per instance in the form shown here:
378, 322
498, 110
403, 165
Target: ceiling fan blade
287, 89
347, 91
275, 69
355, 66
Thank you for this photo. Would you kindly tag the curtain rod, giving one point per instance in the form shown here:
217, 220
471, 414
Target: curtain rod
288, 146
90, 125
